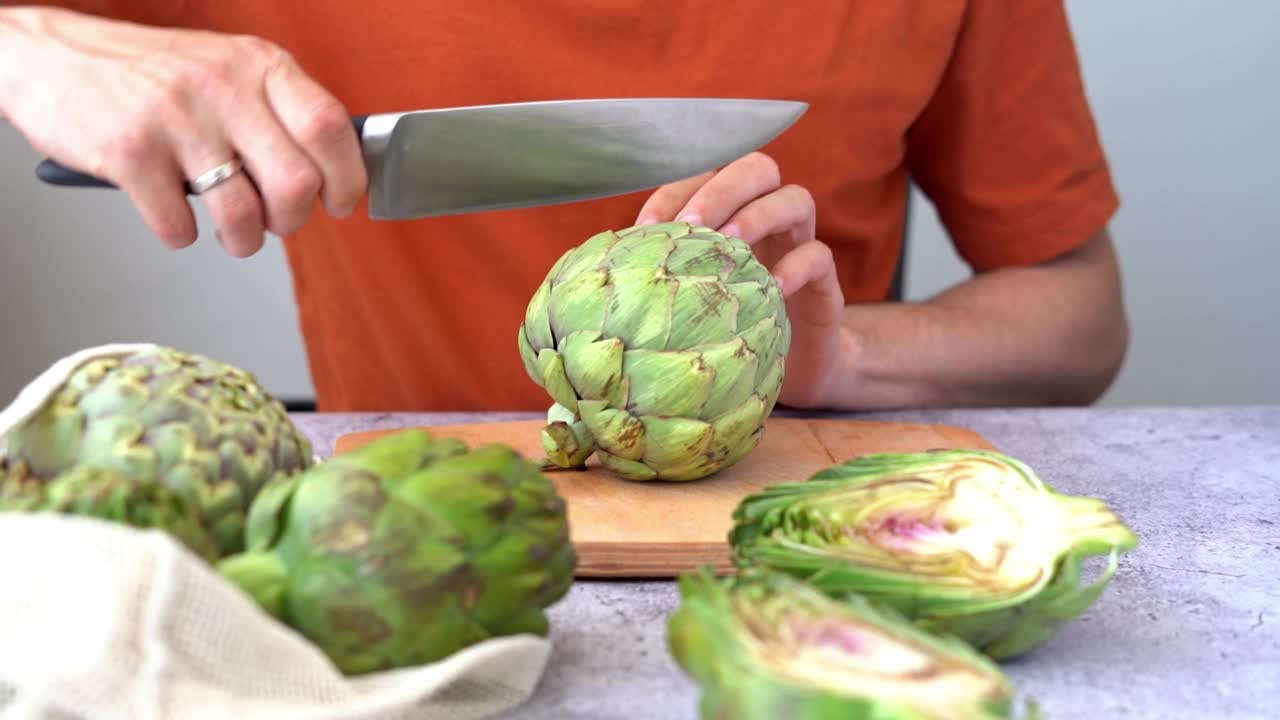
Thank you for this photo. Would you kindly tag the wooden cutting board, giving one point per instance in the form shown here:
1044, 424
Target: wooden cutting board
622, 528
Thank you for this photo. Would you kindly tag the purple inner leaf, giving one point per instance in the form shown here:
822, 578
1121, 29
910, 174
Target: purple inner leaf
826, 634
901, 531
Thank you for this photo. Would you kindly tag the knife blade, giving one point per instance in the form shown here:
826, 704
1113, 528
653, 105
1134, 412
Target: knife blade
478, 158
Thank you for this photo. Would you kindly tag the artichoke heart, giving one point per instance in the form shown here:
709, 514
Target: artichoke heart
762, 644
408, 549
662, 348
206, 431
967, 542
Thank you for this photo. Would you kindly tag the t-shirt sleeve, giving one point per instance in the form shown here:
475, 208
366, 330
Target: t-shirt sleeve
1007, 148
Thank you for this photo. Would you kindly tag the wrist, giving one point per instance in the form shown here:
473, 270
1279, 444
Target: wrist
879, 365
849, 376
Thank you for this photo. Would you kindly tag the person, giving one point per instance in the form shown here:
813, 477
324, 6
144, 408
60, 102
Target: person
980, 103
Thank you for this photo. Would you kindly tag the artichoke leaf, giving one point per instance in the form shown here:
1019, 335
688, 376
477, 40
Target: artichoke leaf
592, 366
704, 312
667, 383
615, 431
639, 307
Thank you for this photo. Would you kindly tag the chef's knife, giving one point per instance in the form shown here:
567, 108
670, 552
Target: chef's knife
491, 157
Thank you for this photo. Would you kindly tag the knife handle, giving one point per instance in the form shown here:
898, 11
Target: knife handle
55, 173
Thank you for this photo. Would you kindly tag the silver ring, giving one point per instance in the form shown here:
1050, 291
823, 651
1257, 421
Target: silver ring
215, 177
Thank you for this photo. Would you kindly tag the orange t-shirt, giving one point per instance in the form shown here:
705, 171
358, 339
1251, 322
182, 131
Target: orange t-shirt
980, 102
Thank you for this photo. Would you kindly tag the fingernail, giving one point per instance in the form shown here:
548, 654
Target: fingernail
781, 286
647, 220
691, 218
732, 230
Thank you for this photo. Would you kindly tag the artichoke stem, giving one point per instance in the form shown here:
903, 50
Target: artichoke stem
261, 575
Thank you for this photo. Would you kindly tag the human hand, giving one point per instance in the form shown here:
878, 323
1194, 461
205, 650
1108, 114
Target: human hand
149, 108
747, 199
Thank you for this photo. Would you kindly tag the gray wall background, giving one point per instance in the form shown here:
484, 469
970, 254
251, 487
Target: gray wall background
1185, 98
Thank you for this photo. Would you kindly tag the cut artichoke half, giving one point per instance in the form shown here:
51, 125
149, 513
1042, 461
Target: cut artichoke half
662, 348
966, 541
763, 644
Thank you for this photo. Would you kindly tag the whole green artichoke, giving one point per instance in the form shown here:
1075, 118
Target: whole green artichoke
103, 493
202, 428
407, 549
966, 542
764, 645
663, 347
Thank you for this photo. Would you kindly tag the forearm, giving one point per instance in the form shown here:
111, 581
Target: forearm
1047, 335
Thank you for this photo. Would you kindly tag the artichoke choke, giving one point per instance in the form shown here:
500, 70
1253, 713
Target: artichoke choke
407, 549
663, 348
970, 543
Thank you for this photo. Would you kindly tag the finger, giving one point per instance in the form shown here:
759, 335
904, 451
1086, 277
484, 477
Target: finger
136, 164
737, 184
667, 200
810, 267
200, 145
323, 130
789, 209
158, 196
288, 182
237, 212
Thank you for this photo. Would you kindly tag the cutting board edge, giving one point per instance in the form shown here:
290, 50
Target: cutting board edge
354, 438
619, 559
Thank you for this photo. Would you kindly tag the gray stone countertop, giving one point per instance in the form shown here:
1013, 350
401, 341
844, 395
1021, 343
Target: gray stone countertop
1188, 628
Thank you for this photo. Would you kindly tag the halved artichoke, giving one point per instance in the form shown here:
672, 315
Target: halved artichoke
967, 542
765, 645
663, 348
408, 549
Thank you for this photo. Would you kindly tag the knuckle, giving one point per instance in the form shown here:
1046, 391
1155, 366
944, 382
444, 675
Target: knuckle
325, 123
299, 187
202, 76
128, 150
259, 48
240, 211
167, 100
